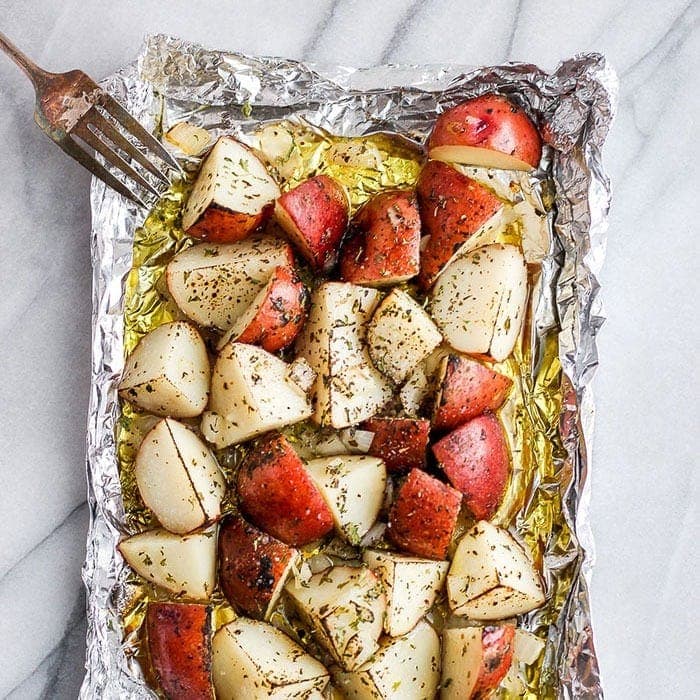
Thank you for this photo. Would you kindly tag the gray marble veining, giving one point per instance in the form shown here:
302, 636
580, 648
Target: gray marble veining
645, 476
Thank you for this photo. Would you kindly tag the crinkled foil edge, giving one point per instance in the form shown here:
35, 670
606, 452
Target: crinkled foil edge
576, 103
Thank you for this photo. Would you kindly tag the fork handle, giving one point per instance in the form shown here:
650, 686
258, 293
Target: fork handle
37, 75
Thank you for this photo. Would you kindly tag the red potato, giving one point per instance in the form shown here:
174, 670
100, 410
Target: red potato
400, 442
488, 131
276, 315
385, 245
497, 644
179, 644
253, 567
424, 515
232, 196
453, 208
276, 492
315, 215
475, 459
466, 388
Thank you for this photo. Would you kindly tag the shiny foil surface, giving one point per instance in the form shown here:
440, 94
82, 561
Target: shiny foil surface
383, 114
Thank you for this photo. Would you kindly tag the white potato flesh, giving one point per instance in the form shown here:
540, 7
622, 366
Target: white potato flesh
353, 486
421, 382
462, 652
192, 140
232, 178
478, 302
252, 659
251, 393
491, 576
481, 157
178, 477
411, 585
348, 389
400, 335
213, 284
527, 647
407, 667
345, 605
167, 373
182, 564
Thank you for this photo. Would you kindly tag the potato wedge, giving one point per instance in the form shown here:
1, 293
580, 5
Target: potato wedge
276, 315
479, 300
384, 248
406, 667
353, 487
424, 515
491, 576
348, 388
454, 209
178, 477
232, 196
182, 564
401, 443
476, 460
214, 284
192, 140
167, 373
179, 646
411, 585
400, 335
314, 215
256, 661
345, 606
251, 393
253, 566
276, 492
490, 131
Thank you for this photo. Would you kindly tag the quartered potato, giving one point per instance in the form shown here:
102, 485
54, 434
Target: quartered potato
213, 284
181, 564
400, 335
353, 486
411, 585
168, 372
478, 301
401, 443
256, 661
491, 576
345, 606
232, 196
348, 388
406, 667
178, 477
251, 393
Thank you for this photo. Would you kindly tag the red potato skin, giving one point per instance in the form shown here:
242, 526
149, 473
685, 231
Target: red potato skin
277, 494
251, 564
282, 313
220, 225
492, 122
497, 656
453, 207
315, 216
475, 459
179, 644
400, 442
384, 247
423, 516
467, 389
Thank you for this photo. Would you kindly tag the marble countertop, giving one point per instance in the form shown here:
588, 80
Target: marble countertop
645, 467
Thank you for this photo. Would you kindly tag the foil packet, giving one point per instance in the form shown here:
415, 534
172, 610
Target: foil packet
552, 418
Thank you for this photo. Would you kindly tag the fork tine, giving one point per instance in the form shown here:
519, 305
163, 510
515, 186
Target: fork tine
72, 148
135, 128
108, 129
82, 131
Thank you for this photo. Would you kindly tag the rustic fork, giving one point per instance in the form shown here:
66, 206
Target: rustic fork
77, 114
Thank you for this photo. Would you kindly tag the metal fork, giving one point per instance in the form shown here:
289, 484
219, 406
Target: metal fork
78, 115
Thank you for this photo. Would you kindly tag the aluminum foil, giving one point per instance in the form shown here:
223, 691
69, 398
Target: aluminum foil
174, 80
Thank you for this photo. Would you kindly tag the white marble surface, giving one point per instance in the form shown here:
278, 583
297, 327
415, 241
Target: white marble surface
645, 476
